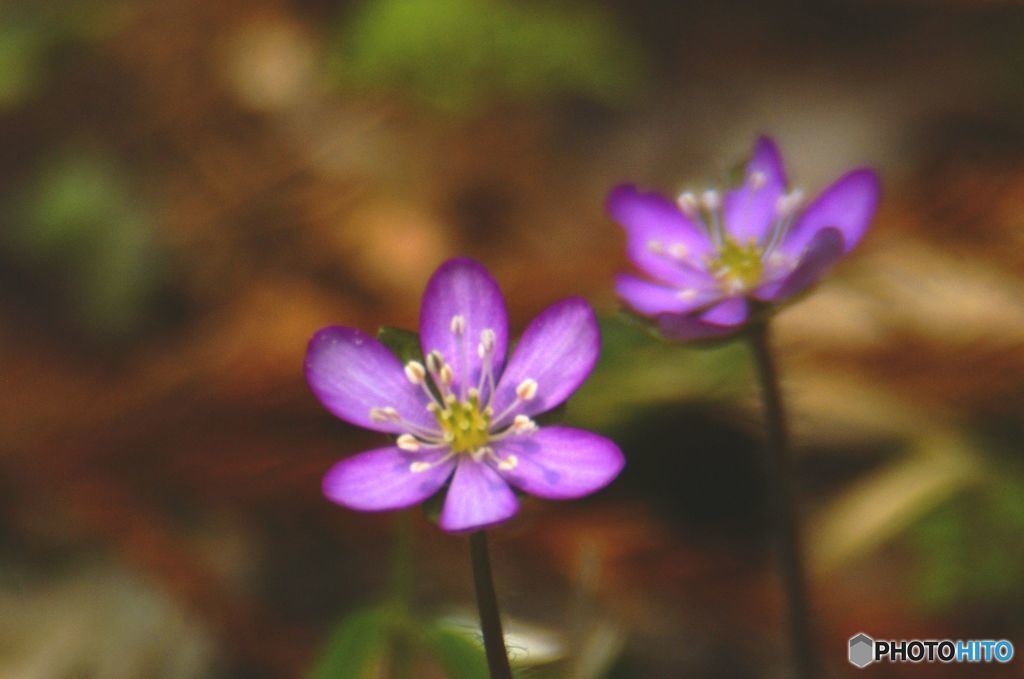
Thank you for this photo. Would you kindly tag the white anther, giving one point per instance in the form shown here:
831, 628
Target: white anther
480, 453
686, 295
509, 463
687, 202
710, 200
488, 338
788, 203
527, 389
408, 442
757, 179
446, 375
458, 324
385, 414
473, 394
655, 247
678, 251
433, 408
419, 467
415, 372
523, 425
434, 361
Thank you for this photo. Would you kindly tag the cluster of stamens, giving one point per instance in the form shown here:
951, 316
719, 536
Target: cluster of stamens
736, 266
466, 422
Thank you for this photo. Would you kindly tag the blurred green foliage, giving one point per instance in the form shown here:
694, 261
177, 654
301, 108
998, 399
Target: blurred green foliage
384, 641
32, 32
969, 550
459, 55
637, 371
80, 226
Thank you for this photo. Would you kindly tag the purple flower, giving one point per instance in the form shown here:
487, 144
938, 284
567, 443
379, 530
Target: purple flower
464, 414
713, 259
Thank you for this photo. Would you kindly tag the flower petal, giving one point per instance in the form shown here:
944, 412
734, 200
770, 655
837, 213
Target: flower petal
652, 298
653, 221
824, 250
351, 372
380, 479
560, 463
848, 205
750, 211
478, 497
463, 287
730, 312
557, 350
689, 327
723, 319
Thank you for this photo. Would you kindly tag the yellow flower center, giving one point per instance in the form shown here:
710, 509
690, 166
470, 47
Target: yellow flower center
737, 267
464, 424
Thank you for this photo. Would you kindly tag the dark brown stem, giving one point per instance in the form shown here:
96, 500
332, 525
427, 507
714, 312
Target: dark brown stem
785, 516
487, 603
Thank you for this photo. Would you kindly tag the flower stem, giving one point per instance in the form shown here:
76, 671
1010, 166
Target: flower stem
785, 515
487, 603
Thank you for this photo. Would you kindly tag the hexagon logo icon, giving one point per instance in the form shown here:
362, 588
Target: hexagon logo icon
862, 650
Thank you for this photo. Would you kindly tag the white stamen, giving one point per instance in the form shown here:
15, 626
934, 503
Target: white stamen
420, 467
678, 251
488, 338
687, 202
509, 463
446, 375
473, 393
710, 200
480, 453
523, 425
527, 389
655, 247
408, 442
458, 324
385, 414
434, 361
415, 372
757, 179
687, 294
788, 203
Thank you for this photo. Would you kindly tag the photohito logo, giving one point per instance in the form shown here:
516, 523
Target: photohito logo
863, 650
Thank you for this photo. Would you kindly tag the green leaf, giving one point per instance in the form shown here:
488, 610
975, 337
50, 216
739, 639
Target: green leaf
404, 344
459, 653
457, 56
357, 647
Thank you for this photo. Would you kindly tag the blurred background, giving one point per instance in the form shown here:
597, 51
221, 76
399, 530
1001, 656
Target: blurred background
188, 190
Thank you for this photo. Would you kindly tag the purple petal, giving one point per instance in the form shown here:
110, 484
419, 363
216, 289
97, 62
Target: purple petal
351, 372
720, 320
750, 211
560, 463
651, 219
462, 287
823, 251
730, 312
478, 497
380, 479
688, 328
848, 205
557, 350
652, 298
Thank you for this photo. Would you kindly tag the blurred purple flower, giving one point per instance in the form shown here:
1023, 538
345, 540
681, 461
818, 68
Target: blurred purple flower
464, 414
712, 257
